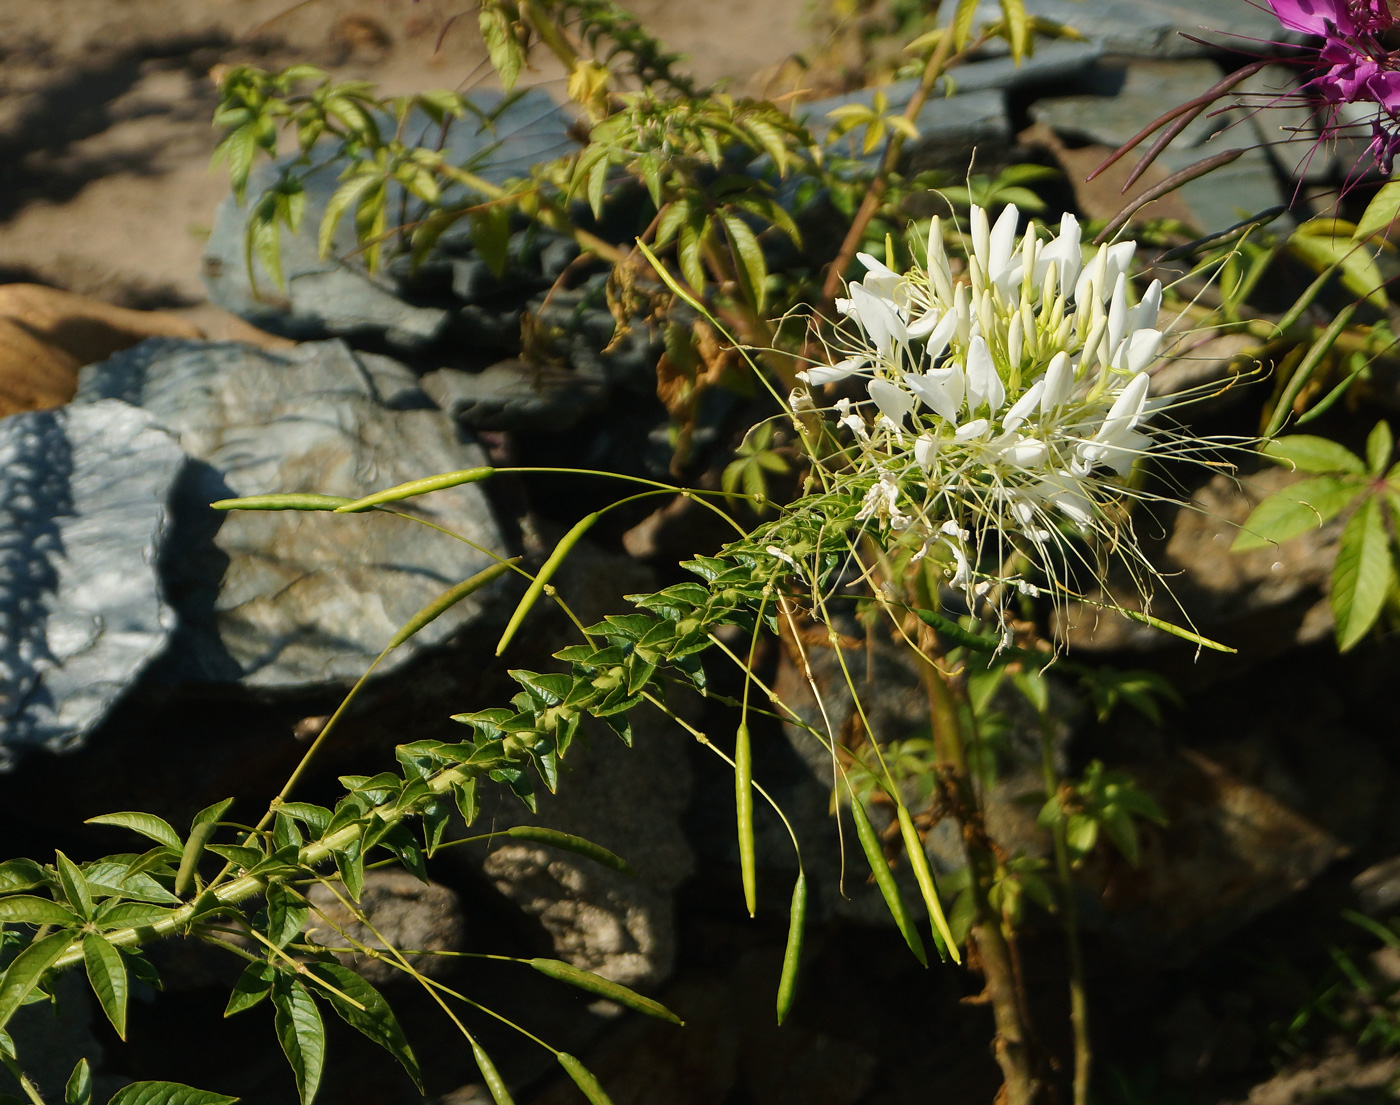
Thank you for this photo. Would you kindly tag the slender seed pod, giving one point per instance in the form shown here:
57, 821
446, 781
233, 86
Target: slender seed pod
490, 1075
918, 860
743, 806
792, 955
448, 599
415, 487
603, 987
292, 501
547, 570
583, 1079
570, 843
884, 879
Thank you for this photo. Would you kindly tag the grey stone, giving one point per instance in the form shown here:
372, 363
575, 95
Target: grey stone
1244, 187
949, 127
516, 395
337, 296
1157, 28
402, 913
286, 598
83, 520
1058, 60
629, 800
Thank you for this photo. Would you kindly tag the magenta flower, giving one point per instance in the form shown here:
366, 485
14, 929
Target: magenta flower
1353, 65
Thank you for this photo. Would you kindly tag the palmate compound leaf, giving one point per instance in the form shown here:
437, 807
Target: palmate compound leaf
106, 971
301, 1033
1364, 573
375, 1021
1296, 509
167, 1093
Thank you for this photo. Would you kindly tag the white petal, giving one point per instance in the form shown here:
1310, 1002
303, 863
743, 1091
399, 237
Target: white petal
1118, 311
941, 390
874, 266
1144, 316
1002, 241
1022, 408
972, 430
1141, 349
1059, 382
981, 236
894, 402
829, 374
1028, 453
924, 325
942, 334
925, 449
984, 386
1126, 409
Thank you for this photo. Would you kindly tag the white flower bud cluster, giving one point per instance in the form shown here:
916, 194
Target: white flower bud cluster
1004, 402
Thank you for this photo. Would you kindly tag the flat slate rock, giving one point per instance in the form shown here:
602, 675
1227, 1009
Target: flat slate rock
83, 520
286, 599
332, 297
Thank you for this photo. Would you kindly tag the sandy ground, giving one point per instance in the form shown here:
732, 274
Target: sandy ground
105, 107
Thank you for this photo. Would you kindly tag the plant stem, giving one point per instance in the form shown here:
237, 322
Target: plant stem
933, 69
31, 1091
1013, 1050
1078, 999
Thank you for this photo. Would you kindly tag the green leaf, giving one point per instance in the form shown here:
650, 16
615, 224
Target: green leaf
1379, 446
27, 970
962, 22
1363, 575
501, 44
350, 862
301, 1034
752, 268
1324, 242
20, 874
1307, 453
116, 914
26, 909
147, 824
1296, 509
376, 1020
167, 1093
254, 984
79, 1088
75, 887
341, 201
287, 913
106, 972
1380, 214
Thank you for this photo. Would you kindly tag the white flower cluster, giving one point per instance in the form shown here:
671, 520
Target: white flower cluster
1001, 400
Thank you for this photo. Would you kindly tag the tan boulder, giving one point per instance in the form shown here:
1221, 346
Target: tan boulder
46, 335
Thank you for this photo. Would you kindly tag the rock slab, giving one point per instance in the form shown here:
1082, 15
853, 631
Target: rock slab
84, 517
288, 599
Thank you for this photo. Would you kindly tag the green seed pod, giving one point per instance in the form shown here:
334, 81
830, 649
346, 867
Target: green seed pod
743, 805
293, 501
583, 1079
416, 487
570, 843
884, 879
792, 956
492, 1077
448, 599
547, 570
918, 860
603, 987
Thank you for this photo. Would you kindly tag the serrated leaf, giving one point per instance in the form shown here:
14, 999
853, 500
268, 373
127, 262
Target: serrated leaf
168, 1093
301, 1033
1296, 509
1308, 453
106, 972
147, 824
26, 971
376, 1020
1363, 575
501, 44
340, 202
253, 985
752, 268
